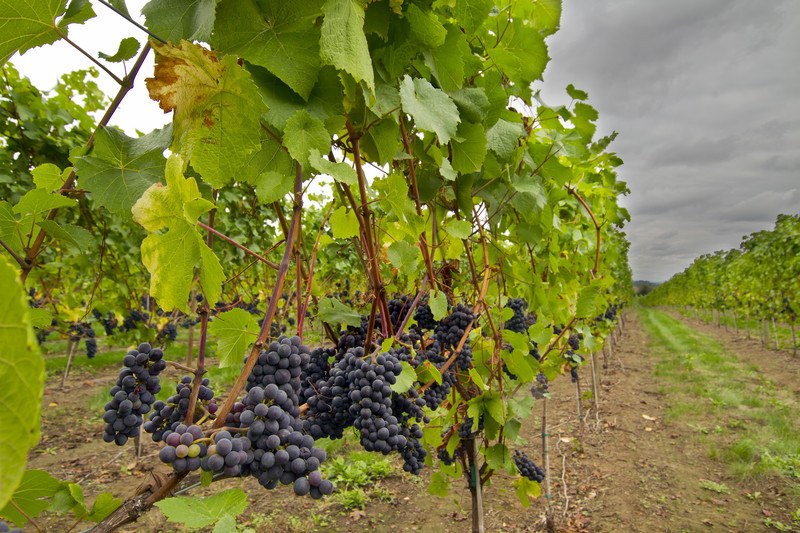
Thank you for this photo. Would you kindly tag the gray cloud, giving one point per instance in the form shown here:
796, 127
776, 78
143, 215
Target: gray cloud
706, 97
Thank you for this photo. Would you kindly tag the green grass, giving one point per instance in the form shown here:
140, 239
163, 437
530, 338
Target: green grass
755, 430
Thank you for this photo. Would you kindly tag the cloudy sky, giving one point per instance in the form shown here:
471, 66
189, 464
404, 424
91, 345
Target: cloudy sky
704, 93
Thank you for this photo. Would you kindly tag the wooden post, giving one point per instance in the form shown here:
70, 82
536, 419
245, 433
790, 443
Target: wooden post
548, 496
475, 488
595, 388
775, 332
580, 408
794, 339
71, 347
735, 323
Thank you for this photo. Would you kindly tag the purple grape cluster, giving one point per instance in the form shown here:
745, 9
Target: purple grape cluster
133, 394
527, 467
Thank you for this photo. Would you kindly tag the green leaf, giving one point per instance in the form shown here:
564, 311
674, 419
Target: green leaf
172, 256
22, 376
503, 138
472, 14
32, 494
333, 311
28, 24
426, 29
47, 177
75, 235
586, 306
521, 54
120, 168
303, 134
226, 524
235, 331
498, 457
405, 380
217, 108
173, 20
343, 223
404, 257
460, 229
427, 372
103, 505
576, 94
472, 102
272, 186
470, 151
339, 171
126, 50
38, 201
438, 304
432, 109
280, 36
527, 489
121, 6
194, 512
493, 404
447, 61
342, 40
40, 318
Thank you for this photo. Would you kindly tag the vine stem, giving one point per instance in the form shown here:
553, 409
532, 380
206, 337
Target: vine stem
277, 289
14, 254
597, 228
129, 19
237, 245
125, 87
88, 55
200, 370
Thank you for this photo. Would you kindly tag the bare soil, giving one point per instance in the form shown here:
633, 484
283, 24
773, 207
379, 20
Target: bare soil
628, 470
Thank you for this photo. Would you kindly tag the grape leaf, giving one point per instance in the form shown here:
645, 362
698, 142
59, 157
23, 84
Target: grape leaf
235, 331
75, 235
26, 24
272, 186
432, 109
521, 54
126, 50
503, 138
470, 151
339, 171
343, 223
438, 305
194, 512
527, 489
174, 20
426, 29
405, 380
120, 168
447, 61
342, 41
217, 108
22, 376
47, 177
172, 256
404, 256
586, 306
472, 14
32, 494
277, 35
303, 134
37, 201
333, 311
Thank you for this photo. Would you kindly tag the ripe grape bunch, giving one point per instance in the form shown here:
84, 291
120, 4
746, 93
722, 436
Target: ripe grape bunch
517, 322
527, 467
5, 528
452, 328
133, 393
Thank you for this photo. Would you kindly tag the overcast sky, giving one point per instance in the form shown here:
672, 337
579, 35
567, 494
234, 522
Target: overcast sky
705, 95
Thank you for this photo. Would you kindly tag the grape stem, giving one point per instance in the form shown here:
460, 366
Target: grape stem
180, 366
238, 245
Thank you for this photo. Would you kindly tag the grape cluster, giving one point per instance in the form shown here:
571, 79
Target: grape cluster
109, 323
167, 416
467, 429
281, 364
424, 318
281, 452
540, 387
574, 341
82, 330
169, 331
399, 308
318, 366
133, 393
527, 467
357, 392
450, 331
518, 321
129, 322
229, 454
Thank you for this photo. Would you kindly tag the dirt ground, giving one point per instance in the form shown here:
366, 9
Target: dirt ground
629, 470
